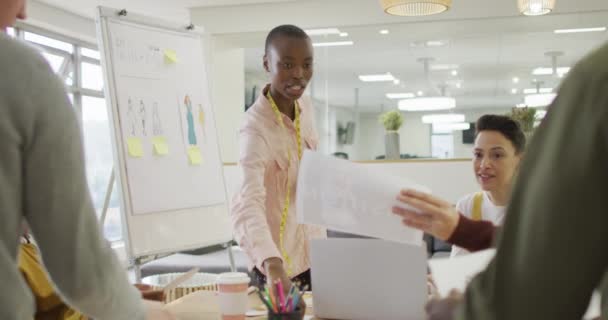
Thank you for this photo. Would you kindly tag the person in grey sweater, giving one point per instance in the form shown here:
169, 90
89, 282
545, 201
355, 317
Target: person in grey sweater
42, 182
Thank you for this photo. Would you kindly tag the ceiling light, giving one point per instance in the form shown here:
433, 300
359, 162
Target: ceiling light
458, 85
549, 71
514, 91
534, 90
332, 44
436, 43
448, 127
343, 34
515, 80
396, 81
420, 93
415, 7
443, 118
402, 95
377, 77
322, 32
535, 7
539, 99
454, 72
427, 104
384, 31
429, 44
443, 67
600, 29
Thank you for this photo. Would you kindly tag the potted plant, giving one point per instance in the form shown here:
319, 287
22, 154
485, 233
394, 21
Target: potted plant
392, 121
526, 117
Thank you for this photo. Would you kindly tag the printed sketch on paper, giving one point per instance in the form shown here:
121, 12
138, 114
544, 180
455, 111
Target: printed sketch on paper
132, 118
142, 117
190, 121
157, 126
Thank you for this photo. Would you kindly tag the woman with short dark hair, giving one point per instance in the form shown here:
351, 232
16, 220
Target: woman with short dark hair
499, 147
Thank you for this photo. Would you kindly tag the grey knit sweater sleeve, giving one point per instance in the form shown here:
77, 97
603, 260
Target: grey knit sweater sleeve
42, 179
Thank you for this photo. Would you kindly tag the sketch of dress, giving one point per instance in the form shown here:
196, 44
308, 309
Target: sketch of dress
131, 116
142, 115
190, 121
157, 127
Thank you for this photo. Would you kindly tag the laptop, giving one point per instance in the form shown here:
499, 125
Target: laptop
368, 279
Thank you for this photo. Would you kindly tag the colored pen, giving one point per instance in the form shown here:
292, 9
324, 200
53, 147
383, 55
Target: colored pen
298, 295
271, 298
290, 296
281, 295
266, 302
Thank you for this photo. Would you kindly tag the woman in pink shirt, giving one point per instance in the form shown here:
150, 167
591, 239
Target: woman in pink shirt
277, 128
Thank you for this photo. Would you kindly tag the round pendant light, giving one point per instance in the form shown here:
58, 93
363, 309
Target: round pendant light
415, 7
535, 7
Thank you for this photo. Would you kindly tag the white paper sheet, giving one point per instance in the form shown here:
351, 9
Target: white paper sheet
455, 273
345, 196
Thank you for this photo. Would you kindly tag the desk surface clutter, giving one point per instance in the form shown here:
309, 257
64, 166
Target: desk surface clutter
203, 305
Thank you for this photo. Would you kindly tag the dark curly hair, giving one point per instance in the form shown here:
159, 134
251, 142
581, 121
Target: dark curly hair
508, 127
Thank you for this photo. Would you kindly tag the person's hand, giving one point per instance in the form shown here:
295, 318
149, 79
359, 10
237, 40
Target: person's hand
148, 294
275, 272
437, 217
155, 311
431, 288
443, 309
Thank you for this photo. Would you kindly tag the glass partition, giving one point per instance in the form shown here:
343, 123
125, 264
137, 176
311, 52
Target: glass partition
458, 70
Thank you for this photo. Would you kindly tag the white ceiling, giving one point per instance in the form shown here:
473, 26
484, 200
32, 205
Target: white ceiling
167, 9
489, 53
489, 41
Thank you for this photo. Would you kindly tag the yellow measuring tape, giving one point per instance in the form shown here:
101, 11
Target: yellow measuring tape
277, 112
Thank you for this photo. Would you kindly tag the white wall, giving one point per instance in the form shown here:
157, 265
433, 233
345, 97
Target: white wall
254, 79
227, 88
60, 21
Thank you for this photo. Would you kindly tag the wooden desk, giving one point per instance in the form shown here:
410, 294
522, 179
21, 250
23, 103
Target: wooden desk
203, 305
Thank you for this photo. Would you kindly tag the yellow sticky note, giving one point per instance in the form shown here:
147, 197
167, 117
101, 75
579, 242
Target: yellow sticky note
170, 56
135, 147
194, 154
160, 146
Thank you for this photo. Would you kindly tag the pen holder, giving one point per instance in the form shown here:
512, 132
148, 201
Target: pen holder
297, 314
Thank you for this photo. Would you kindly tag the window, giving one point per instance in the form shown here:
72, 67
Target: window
49, 42
54, 60
69, 77
442, 142
442, 146
83, 76
91, 75
10, 31
90, 53
98, 156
